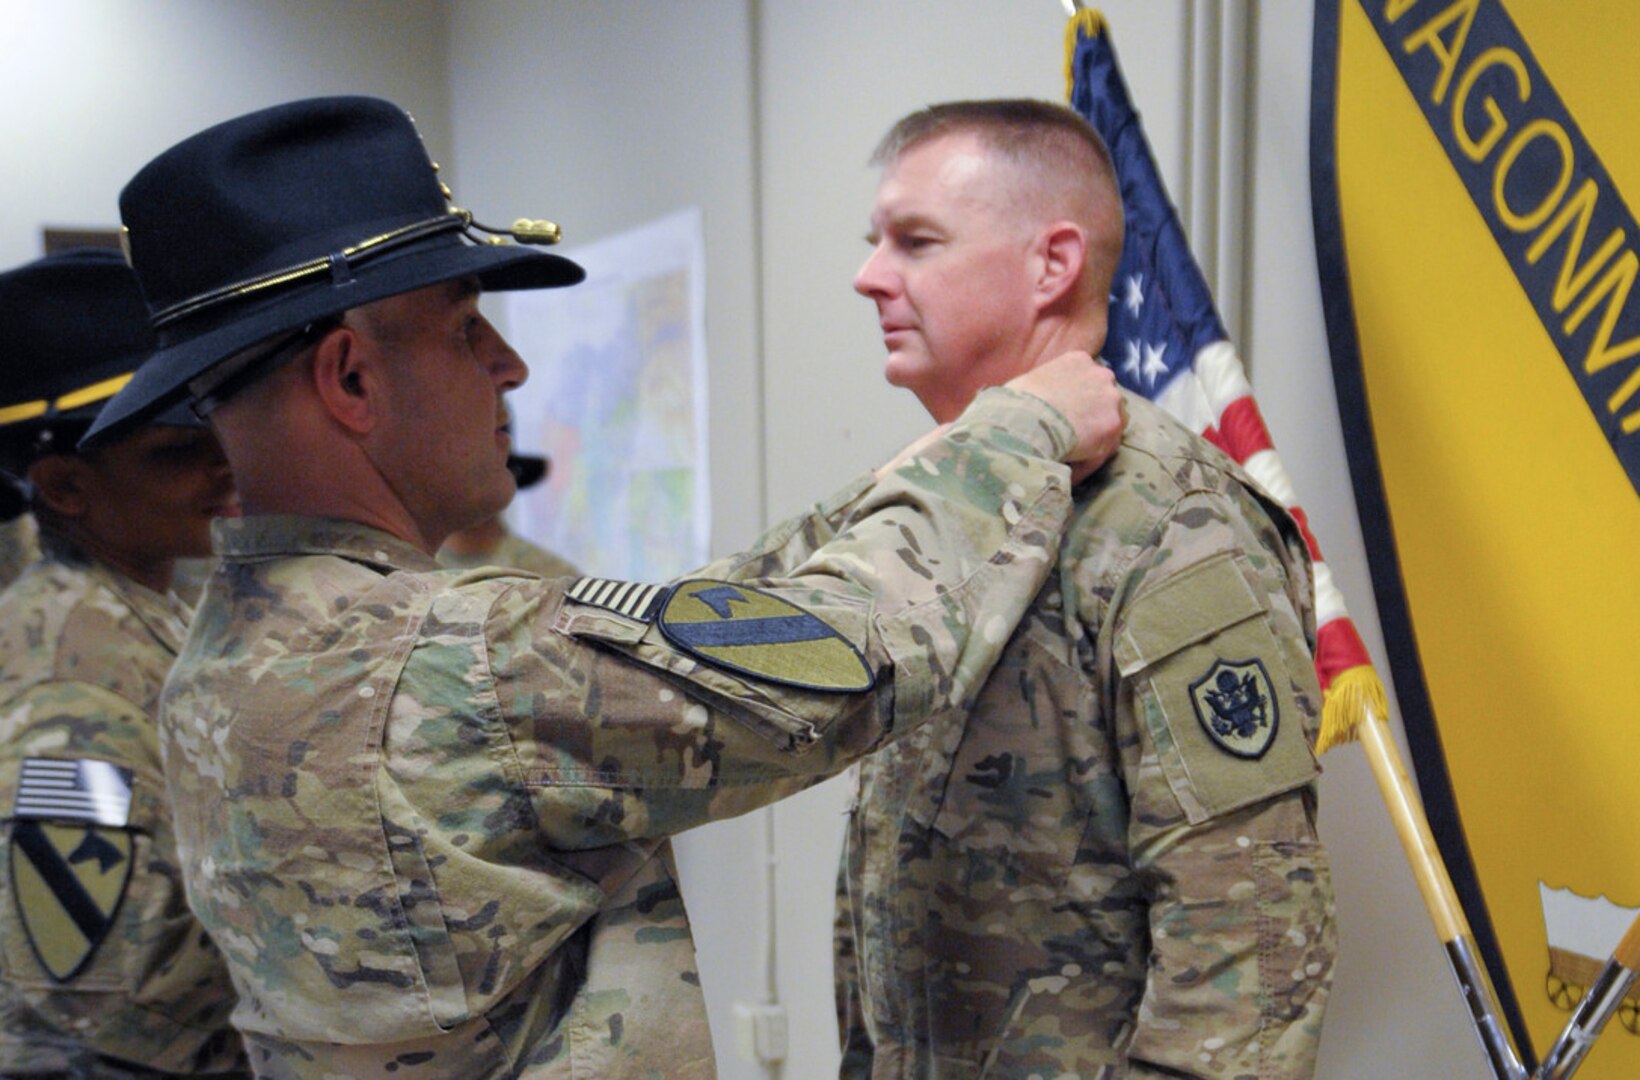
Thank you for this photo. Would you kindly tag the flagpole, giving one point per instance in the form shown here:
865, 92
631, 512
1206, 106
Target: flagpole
1440, 898
1604, 997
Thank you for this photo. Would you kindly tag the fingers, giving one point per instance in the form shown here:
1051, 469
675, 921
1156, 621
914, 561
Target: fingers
1085, 392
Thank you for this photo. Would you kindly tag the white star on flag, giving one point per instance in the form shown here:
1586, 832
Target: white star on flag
1154, 367
1135, 293
1133, 366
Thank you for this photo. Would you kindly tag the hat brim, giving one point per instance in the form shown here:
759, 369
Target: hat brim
162, 380
179, 413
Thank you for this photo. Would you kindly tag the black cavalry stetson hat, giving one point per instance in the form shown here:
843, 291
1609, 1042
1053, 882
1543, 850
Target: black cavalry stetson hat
73, 327
268, 223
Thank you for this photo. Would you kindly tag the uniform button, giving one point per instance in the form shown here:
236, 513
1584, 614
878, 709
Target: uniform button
367, 691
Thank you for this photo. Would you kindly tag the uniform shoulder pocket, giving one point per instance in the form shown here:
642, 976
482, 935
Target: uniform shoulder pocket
1214, 687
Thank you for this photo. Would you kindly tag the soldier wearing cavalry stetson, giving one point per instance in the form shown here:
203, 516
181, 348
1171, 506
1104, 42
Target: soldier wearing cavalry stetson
103, 971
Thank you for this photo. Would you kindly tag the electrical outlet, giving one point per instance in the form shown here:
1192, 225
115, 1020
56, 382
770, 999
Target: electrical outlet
760, 1032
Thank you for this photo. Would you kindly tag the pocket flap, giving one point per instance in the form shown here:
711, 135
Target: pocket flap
1190, 606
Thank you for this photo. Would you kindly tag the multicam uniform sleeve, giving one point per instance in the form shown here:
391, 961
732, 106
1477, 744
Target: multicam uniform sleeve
932, 569
1216, 705
792, 542
151, 987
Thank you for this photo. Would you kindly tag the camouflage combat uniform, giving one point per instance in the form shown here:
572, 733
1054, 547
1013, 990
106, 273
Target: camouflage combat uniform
18, 547
514, 552
83, 654
425, 811
1082, 880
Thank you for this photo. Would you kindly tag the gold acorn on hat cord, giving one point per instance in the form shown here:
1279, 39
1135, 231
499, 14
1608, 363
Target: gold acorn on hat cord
524, 230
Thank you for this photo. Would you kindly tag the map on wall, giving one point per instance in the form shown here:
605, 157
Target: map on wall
616, 399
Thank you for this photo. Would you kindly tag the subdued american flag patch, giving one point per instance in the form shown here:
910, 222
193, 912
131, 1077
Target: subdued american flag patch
630, 598
51, 789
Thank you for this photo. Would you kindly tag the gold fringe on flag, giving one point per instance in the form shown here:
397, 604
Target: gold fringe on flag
1085, 23
1344, 706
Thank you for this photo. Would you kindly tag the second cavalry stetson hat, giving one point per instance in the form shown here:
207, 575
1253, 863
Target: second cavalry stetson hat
74, 330
266, 224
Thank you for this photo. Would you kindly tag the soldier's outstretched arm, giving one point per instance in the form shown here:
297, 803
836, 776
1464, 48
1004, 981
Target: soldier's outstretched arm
708, 699
1082, 389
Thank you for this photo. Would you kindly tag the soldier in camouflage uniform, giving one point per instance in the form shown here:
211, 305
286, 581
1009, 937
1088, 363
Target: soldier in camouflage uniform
1110, 868
426, 811
103, 971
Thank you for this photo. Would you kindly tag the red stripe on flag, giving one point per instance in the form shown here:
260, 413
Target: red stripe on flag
1338, 647
1243, 429
1304, 528
1212, 435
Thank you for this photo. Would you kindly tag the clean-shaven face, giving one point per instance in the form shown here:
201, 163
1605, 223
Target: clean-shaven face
949, 272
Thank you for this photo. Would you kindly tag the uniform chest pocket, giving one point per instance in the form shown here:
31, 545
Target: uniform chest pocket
1223, 700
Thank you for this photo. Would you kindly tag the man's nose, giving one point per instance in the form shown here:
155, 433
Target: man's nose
507, 368
873, 278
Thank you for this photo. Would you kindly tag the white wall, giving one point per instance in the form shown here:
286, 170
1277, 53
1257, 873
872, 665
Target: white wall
92, 89
603, 115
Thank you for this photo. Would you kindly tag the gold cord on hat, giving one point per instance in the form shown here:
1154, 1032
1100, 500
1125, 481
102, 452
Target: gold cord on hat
85, 395
523, 231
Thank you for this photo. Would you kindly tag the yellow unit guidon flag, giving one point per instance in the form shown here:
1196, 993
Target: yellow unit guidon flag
1474, 165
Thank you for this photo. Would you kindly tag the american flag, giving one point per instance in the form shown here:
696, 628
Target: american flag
1166, 342
52, 789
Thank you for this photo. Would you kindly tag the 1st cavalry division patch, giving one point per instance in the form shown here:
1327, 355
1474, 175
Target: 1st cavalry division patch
757, 634
70, 857
740, 629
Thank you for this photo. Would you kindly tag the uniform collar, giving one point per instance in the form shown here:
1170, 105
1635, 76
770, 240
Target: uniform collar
280, 536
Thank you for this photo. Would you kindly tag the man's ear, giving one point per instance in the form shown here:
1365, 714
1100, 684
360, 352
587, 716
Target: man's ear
1062, 251
347, 377
62, 483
